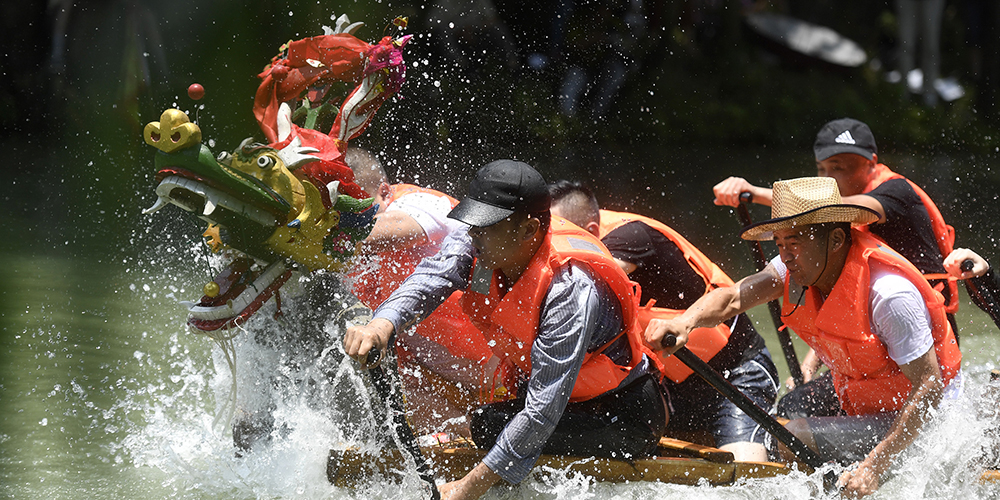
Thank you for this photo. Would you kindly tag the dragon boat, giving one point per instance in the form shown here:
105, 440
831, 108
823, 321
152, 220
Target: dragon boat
290, 202
676, 461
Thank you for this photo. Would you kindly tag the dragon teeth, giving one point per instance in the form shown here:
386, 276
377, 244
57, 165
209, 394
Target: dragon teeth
209, 207
160, 203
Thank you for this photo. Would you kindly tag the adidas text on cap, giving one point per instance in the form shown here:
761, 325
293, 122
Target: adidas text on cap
501, 188
845, 135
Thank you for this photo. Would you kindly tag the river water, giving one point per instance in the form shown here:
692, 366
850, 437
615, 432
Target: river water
104, 393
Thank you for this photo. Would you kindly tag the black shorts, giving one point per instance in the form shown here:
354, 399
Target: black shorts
625, 423
697, 406
816, 398
846, 439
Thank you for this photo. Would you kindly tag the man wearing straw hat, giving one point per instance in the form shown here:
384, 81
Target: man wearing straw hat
910, 222
866, 311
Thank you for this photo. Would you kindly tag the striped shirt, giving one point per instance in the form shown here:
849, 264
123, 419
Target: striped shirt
579, 315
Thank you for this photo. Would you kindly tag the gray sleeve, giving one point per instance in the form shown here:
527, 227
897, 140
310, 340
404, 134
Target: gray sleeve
568, 320
431, 283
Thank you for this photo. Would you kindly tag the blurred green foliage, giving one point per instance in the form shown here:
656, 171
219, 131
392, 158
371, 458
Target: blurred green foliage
71, 118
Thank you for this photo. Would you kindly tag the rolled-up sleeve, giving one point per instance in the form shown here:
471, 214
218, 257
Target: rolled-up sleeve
569, 318
431, 283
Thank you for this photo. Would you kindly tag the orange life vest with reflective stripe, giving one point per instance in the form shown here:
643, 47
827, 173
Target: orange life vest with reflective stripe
839, 329
943, 233
448, 326
704, 342
510, 322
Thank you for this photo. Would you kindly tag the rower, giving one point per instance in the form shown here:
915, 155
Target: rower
672, 273
866, 311
909, 221
559, 313
445, 365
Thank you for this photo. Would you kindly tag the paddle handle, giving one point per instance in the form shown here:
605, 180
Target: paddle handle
773, 307
384, 391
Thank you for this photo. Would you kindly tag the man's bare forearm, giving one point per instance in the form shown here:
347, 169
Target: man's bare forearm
712, 308
907, 425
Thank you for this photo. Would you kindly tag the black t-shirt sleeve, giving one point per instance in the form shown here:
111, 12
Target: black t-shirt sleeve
661, 269
907, 227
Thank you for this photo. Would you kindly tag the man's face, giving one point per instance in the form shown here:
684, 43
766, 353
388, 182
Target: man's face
499, 244
803, 250
851, 171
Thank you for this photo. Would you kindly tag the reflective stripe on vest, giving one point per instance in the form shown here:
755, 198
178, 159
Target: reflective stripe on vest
839, 329
704, 342
943, 233
511, 323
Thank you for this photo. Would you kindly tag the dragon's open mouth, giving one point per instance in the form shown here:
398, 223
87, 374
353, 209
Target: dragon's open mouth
208, 202
241, 288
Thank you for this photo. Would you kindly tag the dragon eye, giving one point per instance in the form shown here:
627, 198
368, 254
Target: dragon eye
265, 161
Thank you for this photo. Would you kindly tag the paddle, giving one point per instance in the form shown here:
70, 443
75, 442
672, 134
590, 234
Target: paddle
787, 347
982, 295
719, 383
744, 403
385, 392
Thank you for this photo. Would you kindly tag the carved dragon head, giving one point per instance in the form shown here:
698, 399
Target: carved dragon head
292, 199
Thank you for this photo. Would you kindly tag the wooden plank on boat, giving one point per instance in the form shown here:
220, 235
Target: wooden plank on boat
990, 476
759, 470
350, 467
690, 449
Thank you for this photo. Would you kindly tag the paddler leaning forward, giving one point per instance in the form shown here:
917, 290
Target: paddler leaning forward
868, 313
558, 312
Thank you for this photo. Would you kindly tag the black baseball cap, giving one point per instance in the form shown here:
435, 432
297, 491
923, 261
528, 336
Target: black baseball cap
501, 188
845, 135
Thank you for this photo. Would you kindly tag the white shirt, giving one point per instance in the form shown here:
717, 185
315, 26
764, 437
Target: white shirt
430, 212
896, 311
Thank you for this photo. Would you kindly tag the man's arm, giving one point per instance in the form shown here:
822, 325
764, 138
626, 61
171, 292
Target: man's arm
393, 229
474, 485
925, 377
715, 307
728, 192
431, 283
868, 202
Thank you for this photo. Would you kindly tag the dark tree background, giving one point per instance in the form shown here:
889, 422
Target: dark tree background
670, 97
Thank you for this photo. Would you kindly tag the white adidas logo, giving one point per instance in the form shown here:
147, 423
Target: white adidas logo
845, 138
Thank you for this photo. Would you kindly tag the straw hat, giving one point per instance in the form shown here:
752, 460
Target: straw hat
804, 201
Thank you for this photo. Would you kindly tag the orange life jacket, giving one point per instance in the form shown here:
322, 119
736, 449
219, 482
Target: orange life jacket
510, 322
704, 342
839, 329
943, 233
448, 326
